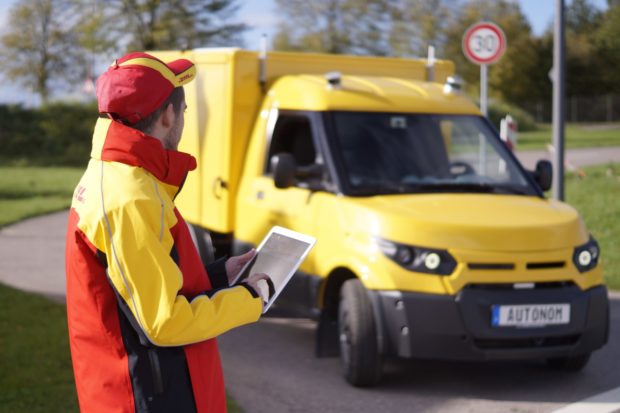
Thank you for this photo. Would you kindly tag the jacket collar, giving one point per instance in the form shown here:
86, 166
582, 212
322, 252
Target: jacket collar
115, 142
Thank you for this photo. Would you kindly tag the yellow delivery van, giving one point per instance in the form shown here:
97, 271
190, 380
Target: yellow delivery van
433, 241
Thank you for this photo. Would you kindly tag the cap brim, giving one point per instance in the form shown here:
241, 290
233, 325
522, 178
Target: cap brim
184, 70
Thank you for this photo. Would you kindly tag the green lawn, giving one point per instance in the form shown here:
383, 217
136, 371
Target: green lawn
596, 197
34, 355
576, 135
31, 191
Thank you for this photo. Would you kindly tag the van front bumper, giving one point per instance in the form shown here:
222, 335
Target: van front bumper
414, 325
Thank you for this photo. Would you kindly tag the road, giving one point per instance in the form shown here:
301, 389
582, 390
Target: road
270, 366
574, 158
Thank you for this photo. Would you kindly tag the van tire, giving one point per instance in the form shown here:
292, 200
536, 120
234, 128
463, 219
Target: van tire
359, 355
204, 244
569, 363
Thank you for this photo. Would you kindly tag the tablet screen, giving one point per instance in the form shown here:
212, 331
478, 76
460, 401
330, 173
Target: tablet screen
278, 256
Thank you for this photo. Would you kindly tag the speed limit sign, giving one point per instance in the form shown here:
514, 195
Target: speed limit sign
484, 43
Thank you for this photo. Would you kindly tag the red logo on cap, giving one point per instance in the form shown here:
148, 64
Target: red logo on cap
185, 77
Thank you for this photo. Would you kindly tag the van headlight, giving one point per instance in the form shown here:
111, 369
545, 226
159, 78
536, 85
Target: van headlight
586, 256
418, 259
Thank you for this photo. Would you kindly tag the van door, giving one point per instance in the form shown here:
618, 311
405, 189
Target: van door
295, 207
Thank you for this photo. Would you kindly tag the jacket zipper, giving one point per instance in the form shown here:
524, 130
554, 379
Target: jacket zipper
158, 381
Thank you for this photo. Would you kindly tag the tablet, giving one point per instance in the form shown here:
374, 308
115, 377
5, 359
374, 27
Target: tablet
279, 255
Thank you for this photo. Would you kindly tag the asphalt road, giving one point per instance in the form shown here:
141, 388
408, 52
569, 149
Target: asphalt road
270, 366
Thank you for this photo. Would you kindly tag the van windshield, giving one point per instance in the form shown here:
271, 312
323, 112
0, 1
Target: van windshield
386, 153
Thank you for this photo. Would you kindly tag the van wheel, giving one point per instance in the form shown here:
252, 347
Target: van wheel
569, 363
203, 243
359, 356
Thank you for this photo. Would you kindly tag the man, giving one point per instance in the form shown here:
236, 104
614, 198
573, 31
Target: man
142, 310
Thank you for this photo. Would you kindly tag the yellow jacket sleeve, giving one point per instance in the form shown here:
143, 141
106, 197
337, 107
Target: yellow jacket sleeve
137, 244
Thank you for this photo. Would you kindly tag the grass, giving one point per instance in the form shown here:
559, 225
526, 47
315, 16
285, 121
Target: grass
30, 191
34, 355
576, 136
596, 198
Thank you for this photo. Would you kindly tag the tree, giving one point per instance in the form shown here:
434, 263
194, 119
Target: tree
174, 24
417, 24
333, 26
607, 45
583, 71
36, 49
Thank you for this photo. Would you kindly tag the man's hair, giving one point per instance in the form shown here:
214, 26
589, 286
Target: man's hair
176, 98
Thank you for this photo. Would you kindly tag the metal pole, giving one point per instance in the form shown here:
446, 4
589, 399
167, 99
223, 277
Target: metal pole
558, 101
483, 90
484, 110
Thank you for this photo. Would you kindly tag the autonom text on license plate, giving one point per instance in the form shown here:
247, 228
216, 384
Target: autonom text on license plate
530, 315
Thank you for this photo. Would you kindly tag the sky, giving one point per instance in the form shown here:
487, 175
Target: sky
261, 16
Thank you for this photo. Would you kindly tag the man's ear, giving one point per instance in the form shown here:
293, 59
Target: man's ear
167, 116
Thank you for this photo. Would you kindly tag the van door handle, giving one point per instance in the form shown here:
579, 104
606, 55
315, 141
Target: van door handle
260, 195
219, 185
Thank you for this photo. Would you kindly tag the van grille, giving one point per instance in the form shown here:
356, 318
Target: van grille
486, 266
510, 286
495, 266
545, 265
499, 344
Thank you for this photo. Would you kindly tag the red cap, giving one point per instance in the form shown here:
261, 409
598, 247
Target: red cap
135, 85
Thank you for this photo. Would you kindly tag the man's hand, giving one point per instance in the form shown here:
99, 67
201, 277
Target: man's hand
253, 281
235, 264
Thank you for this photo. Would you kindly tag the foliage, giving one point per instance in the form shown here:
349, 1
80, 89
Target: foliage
607, 44
417, 24
334, 26
56, 134
163, 25
50, 43
36, 49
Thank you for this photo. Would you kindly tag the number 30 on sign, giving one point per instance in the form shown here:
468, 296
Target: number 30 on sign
484, 43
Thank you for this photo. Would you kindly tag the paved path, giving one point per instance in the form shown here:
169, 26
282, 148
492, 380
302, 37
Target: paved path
32, 255
575, 158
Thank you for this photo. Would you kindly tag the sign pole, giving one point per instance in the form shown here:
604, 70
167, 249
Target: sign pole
558, 101
483, 89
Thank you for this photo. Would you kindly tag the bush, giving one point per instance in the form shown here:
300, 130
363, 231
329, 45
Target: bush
498, 110
55, 134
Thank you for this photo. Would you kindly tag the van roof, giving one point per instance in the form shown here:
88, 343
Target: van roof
368, 93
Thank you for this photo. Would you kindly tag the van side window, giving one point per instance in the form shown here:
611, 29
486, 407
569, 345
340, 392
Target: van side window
292, 134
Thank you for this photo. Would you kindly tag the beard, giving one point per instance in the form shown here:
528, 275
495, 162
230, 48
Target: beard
173, 137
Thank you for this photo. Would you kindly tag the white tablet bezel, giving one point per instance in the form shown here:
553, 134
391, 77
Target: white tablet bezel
309, 240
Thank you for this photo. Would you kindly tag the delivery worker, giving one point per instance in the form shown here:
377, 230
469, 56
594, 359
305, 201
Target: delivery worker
143, 312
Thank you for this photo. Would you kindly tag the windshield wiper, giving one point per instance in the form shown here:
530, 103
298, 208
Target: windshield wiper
463, 187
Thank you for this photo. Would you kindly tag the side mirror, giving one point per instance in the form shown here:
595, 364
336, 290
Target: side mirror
284, 170
543, 174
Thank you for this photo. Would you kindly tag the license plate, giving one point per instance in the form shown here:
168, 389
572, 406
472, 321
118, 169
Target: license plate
530, 315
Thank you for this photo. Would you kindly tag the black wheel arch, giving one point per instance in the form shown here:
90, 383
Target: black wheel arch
327, 340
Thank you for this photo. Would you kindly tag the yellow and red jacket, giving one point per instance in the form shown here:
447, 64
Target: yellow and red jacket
142, 310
